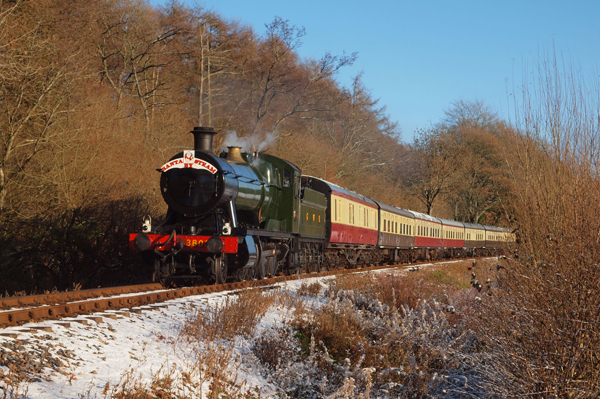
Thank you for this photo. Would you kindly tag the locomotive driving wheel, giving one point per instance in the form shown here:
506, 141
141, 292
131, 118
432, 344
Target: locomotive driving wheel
271, 266
260, 269
156, 271
162, 271
218, 269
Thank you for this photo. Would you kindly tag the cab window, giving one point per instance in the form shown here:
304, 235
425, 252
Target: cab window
287, 178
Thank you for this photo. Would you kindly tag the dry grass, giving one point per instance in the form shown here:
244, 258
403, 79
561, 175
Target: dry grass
313, 289
239, 314
204, 341
12, 385
185, 381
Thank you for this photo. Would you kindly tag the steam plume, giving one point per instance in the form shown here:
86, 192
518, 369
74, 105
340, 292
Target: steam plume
249, 144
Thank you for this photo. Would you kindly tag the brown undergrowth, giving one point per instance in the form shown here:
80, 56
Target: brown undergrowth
377, 334
238, 314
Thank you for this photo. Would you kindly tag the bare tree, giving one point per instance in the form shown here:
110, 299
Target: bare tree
355, 130
33, 95
131, 49
470, 114
435, 165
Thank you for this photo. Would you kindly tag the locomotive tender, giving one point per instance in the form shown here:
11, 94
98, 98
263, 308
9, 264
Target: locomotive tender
254, 215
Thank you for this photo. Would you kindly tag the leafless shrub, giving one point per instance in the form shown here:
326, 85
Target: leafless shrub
276, 347
541, 325
355, 345
237, 315
313, 289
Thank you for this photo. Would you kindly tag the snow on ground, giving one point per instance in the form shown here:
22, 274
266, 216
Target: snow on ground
80, 360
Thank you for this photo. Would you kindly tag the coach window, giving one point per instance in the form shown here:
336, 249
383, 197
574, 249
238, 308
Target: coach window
334, 213
335, 210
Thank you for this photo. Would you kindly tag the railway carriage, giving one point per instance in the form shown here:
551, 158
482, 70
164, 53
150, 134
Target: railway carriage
453, 234
453, 238
474, 237
428, 235
351, 223
495, 237
508, 235
396, 228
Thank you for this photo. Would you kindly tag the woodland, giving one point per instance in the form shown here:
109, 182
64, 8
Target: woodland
96, 95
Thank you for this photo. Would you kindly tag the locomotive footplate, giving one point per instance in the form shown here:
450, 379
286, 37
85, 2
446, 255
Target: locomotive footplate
161, 242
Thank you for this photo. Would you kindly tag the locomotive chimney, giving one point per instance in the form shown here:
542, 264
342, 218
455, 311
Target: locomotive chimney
203, 139
234, 154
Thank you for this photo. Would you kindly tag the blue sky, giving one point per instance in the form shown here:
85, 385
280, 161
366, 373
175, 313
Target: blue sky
417, 57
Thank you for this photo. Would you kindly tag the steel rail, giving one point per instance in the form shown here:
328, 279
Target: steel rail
15, 311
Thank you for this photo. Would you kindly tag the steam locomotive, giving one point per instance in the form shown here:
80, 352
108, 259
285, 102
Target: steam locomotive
253, 215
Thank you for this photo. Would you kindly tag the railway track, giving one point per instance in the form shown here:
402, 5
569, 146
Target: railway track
15, 311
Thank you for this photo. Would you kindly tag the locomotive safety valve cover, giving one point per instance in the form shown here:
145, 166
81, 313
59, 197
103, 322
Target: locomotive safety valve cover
189, 243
